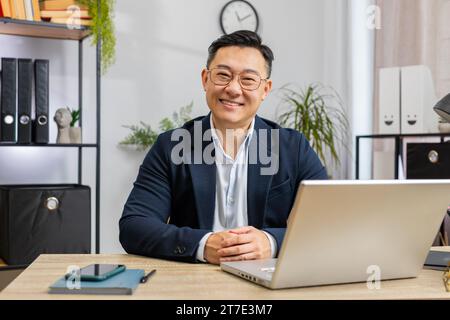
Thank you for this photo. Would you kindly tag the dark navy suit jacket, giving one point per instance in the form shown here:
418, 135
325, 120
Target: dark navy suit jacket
171, 206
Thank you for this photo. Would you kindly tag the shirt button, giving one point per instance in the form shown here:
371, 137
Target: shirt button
231, 200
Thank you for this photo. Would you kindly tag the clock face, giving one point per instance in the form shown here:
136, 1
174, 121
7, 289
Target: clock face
238, 15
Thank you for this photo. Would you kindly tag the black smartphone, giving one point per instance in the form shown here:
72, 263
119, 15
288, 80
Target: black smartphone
99, 272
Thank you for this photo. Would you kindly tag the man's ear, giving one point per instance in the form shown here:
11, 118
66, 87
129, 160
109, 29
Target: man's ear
267, 88
204, 78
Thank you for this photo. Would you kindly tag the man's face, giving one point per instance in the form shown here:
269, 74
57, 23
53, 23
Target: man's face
231, 106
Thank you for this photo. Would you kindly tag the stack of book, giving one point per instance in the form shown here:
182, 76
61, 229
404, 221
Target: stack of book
65, 11
20, 9
69, 12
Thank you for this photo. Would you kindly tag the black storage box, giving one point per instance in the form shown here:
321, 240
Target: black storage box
428, 160
36, 219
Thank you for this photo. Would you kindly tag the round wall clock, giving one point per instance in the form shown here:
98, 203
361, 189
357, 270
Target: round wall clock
238, 15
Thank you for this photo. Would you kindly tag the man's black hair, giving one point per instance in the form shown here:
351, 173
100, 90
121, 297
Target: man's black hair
241, 38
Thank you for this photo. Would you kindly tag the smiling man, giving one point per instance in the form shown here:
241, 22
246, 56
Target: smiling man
229, 209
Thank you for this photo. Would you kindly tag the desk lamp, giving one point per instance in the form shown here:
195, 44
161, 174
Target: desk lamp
442, 108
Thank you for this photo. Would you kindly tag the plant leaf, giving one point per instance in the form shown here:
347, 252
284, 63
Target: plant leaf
144, 136
316, 111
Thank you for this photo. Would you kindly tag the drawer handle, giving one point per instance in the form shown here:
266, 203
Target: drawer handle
52, 203
433, 156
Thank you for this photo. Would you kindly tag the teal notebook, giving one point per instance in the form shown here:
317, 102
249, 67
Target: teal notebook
123, 283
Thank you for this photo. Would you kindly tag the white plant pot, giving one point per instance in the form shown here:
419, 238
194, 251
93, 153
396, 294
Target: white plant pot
133, 147
75, 134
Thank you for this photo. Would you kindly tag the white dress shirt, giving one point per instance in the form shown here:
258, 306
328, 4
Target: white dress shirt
231, 190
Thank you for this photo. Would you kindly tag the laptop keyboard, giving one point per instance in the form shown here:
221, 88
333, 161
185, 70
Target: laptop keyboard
268, 270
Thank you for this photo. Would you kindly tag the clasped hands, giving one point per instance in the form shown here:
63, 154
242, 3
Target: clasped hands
246, 243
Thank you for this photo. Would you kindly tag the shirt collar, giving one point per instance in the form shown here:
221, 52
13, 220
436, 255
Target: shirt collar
248, 136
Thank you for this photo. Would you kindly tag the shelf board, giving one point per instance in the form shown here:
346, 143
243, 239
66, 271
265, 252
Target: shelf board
55, 145
406, 135
42, 29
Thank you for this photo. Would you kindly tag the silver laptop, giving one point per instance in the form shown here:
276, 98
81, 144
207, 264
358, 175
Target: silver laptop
352, 231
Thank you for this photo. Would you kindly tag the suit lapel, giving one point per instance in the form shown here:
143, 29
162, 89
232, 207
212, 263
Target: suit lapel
203, 177
258, 184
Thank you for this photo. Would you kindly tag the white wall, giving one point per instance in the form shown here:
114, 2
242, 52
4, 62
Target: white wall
161, 49
362, 75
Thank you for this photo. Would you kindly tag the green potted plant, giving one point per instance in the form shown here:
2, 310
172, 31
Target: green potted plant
142, 136
74, 132
75, 117
317, 112
103, 28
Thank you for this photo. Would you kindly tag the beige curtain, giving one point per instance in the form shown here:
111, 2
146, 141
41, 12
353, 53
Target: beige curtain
413, 32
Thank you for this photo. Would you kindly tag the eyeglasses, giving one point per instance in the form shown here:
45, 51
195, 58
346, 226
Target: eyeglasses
247, 80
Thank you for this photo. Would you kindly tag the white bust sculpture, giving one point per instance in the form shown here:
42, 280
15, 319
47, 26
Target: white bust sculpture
63, 118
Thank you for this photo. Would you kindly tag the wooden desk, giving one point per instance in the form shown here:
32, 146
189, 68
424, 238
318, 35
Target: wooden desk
175, 280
